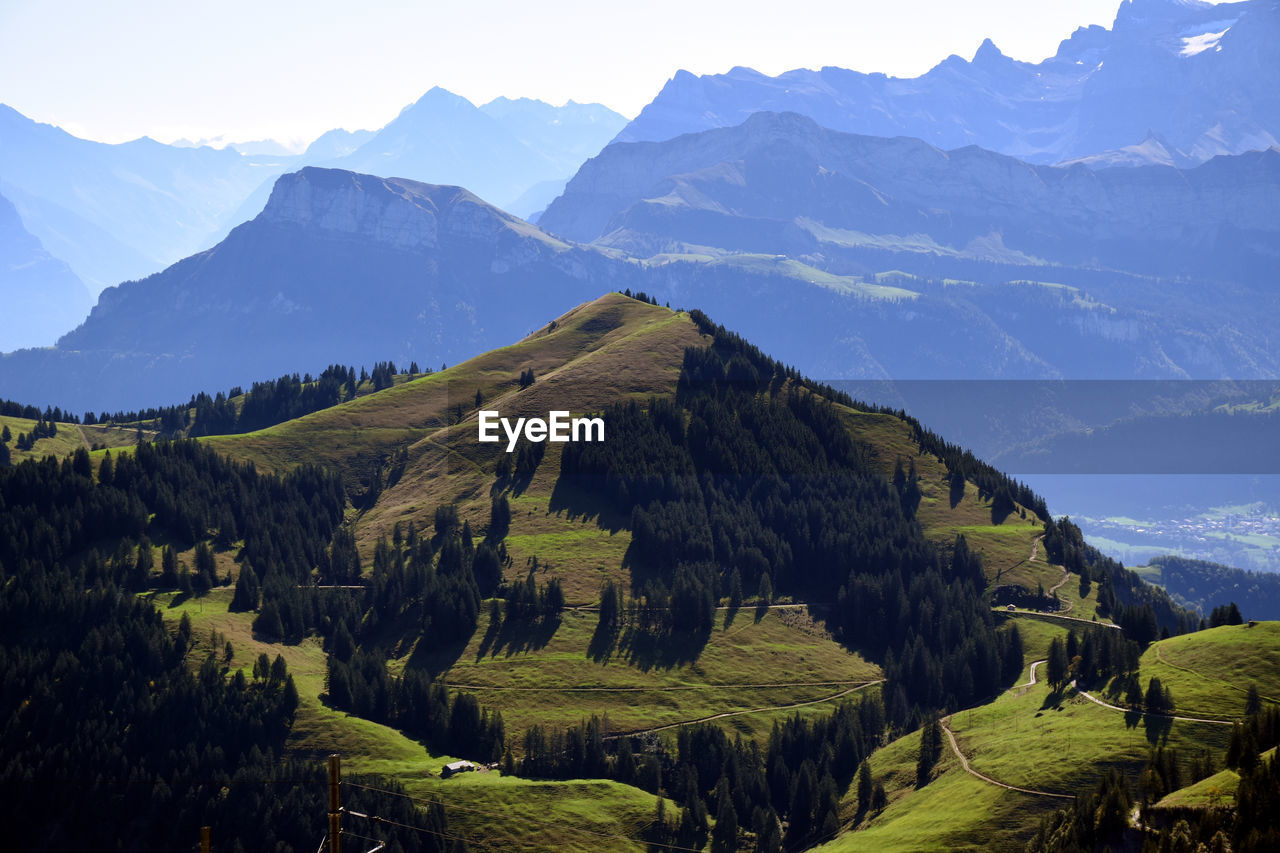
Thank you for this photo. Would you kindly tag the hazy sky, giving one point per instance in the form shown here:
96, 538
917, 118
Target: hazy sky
245, 69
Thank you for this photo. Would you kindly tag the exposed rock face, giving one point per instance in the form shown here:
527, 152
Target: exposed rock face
1202, 76
355, 206
796, 188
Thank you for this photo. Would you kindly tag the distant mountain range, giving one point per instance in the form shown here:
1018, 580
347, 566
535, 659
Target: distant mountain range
1201, 77
119, 212
41, 297
115, 212
349, 268
339, 267
499, 150
780, 183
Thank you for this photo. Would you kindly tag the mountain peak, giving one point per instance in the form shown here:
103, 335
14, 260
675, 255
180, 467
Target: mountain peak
439, 98
987, 53
345, 202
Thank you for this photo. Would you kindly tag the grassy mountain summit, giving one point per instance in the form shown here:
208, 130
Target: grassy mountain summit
758, 615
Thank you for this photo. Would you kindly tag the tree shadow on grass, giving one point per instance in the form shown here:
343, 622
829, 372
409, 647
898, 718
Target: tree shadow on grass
490, 636
1157, 727
647, 650
580, 503
517, 636
604, 642
438, 657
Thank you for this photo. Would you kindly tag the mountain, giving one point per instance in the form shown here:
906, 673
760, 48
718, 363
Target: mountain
357, 269
427, 596
140, 204
499, 151
1163, 270
337, 267
336, 143
42, 298
120, 212
781, 183
1200, 75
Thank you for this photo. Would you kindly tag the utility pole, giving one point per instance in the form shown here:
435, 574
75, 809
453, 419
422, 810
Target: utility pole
335, 804
206, 839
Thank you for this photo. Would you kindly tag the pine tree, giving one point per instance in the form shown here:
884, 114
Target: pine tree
247, 590
1056, 666
1252, 701
864, 787
724, 837
765, 593
930, 751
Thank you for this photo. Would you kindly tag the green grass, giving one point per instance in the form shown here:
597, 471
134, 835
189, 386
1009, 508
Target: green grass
612, 350
505, 813
556, 680
494, 812
1210, 671
955, 811
70, 438
1064, 743
1218, 790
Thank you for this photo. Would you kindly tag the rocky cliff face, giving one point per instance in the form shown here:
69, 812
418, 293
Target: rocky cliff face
1202, 76
358, 207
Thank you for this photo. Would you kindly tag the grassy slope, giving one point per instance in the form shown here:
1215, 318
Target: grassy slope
503, 813
70, 438
601, 352
534, 676
1030, 739
955, 811
1210, 671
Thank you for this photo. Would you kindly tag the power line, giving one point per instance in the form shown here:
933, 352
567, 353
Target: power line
389, 822
557, 825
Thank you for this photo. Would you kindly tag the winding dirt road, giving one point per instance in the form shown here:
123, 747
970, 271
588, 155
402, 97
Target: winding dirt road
1023, 688
955, 747
1097, 701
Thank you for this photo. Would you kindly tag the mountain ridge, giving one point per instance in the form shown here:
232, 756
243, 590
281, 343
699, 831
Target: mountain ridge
1073, 105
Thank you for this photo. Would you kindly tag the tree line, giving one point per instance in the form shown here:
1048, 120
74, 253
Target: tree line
130, 731
788, 792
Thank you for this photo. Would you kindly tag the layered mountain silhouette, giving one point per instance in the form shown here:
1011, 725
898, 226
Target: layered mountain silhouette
499, 150
779, 183
354, 269
41, 297
119, 212
339, 267
115, 212
1200, 75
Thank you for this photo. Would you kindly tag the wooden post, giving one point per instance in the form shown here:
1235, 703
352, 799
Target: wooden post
206, 839
335, 804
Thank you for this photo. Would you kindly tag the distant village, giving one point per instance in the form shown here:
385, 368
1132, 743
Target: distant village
1246, 540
